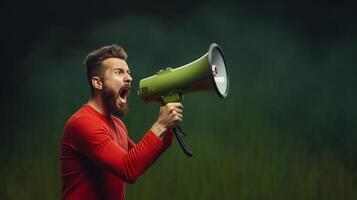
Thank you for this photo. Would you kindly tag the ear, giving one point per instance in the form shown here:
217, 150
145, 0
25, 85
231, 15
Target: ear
97, 83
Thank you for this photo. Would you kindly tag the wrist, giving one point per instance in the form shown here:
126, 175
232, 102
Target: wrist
159, 130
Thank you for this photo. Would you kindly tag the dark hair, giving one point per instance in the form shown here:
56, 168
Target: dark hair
95, 58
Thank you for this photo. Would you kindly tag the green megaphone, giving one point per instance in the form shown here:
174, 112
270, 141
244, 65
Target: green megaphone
208, 73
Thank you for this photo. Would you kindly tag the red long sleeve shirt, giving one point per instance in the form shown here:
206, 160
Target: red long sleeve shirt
98, 158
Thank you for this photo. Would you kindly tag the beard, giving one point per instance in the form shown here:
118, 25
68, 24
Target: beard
110, 98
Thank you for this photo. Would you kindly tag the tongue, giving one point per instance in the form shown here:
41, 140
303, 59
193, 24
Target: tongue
122, 100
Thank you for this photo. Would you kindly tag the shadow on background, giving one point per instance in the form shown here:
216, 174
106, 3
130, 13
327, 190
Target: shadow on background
286, 131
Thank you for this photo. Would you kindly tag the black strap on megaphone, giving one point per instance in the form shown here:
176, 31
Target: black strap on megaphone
177, 97
179, 135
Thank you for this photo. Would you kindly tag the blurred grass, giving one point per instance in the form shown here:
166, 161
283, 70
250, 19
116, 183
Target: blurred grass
286, 131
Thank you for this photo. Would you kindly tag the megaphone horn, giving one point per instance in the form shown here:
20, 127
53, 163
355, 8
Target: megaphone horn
207, 73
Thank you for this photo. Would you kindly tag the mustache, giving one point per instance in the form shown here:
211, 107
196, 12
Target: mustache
126, 86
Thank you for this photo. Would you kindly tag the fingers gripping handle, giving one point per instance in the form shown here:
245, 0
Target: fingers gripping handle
177, 97
179, 135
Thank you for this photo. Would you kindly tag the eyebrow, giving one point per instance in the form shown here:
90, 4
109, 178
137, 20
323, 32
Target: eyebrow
120, 68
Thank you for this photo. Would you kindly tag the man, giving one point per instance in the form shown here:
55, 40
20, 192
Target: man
97, 156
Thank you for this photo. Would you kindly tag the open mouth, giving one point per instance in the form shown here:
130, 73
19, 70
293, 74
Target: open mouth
124, 93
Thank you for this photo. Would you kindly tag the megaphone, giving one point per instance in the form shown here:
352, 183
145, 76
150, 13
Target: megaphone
207, 73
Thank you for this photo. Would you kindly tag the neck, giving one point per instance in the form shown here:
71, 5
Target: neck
98, 105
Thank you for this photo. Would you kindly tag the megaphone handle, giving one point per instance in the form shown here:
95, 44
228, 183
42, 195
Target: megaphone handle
179, 135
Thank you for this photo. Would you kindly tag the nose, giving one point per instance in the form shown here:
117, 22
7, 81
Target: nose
128, 78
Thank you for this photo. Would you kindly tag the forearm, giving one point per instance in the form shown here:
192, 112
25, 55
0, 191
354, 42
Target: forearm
139, 158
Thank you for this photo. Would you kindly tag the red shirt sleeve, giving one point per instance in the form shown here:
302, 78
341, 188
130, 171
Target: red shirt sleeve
131, 144
94, 141
167, 140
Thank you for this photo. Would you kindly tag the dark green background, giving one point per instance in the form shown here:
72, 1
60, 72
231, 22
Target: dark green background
286, 131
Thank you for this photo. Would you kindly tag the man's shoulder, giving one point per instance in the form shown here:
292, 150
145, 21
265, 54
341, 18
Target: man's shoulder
81, 113
84, 118
84, 126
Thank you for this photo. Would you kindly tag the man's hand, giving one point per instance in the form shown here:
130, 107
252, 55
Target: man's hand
169, 117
